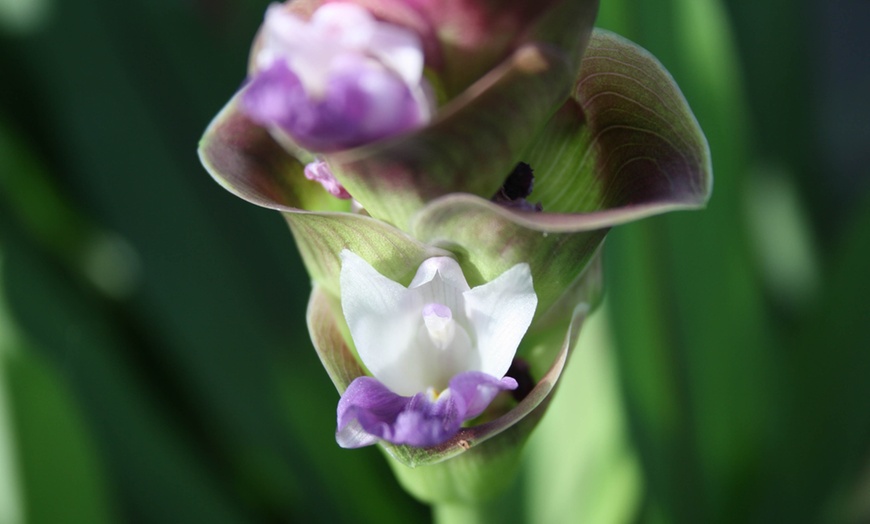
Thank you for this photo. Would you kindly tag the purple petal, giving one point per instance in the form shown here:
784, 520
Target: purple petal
477, 390
369, 411
362, 103
425, 423
273, 96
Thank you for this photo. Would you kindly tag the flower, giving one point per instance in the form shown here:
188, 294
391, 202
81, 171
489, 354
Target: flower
610, 139
338, 80
438, 349
337, 107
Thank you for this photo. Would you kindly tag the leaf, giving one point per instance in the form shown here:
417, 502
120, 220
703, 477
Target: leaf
626, 145
321, 237
56, 451
326, 332
146, 454
829, 351
471, 146
244, 158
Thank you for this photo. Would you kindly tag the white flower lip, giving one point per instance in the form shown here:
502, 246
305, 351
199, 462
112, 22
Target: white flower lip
416, 338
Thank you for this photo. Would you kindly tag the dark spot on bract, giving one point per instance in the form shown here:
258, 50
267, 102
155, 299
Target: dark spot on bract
522, 373
517, 187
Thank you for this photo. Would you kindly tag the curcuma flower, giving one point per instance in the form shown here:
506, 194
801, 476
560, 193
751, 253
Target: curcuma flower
399, 139
338, 80
438, 349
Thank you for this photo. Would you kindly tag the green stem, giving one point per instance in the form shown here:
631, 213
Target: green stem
462, 491
460, 514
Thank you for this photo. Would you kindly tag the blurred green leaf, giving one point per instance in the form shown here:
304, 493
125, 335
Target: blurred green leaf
696, 357
137, 441
579, 461
11, 483
27, 191
829, 351
55, 451
54, 455
23, 16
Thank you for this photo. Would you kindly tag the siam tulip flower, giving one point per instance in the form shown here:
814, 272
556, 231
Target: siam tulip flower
603, 127
338, 80
438, 350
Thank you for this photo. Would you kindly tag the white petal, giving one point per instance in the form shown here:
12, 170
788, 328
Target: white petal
400, 50
383, 319
282, 34
288, 37
348, 25
440, 281
449, 270
500, 312
337, 29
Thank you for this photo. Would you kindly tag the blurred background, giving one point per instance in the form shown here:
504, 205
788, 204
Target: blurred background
154, 362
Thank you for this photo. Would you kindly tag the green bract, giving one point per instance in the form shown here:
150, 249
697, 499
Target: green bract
610, 138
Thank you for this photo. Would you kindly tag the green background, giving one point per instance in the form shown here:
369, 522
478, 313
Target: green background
154, 362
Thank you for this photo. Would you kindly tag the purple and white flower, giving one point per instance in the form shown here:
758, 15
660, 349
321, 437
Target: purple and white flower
338, 80
437, 350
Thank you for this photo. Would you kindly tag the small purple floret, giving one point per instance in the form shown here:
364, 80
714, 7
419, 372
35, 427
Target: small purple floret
361, 103
319, 171
439, 310
369, 411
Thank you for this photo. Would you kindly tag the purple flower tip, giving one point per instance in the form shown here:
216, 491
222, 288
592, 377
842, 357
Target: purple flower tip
369, 411
319, 171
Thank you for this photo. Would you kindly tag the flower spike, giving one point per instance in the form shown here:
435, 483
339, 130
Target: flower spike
400, 139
